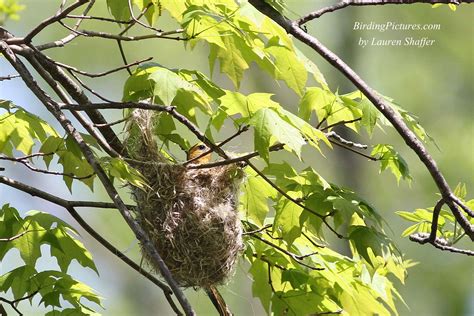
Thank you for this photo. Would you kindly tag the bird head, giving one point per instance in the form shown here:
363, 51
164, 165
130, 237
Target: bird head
196, 151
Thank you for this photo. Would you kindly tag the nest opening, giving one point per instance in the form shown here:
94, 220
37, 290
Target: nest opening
189, 214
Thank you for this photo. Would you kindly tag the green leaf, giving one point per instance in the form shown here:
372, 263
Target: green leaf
17, 280
236, 103
20, 129
460, 191
260, 287
232, 62
169, 87
366, 240
370, 114
69, 249
29, 244
287, 218
288, 67
295, 277
119, 9
392, 160
408, 216
118, 168
167, 84
297, 302
312, 68
174, 7
254, 200
270, 128
312, 135
410, 230
152, 13
315, 100
40, 228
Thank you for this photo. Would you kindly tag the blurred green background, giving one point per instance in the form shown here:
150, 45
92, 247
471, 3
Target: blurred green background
435, 83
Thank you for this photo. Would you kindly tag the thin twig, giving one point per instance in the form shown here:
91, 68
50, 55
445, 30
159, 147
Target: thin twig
340, 123
88, 17
239, 131
130, 9
163, 35
101, 74
44, 171
14, 303
9, 77
346, 3
304, 207
293, 256
339, 138
246, 157
257, 230
424, 238
55, 18
17, 236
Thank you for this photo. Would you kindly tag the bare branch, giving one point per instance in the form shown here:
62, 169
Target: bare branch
14, 303
12, 238
130, 9
71, 36
244, 158
163, 35
55, 199
341, 123
295, 257
423, 238
257, 230
346, 3
76, 93
339, 138
55, 18
218, 301
55, 173
101, 74
9, 77
462, 205
98, 18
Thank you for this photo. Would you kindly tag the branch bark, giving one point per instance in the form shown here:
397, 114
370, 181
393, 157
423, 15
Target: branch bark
408, 136
346, 3
54, 108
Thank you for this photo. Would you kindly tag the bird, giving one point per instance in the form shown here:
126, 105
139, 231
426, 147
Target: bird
197, 152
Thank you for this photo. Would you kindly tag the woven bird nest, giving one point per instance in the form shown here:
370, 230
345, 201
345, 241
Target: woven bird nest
189, 214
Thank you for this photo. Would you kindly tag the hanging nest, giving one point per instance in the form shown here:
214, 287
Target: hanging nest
189, 214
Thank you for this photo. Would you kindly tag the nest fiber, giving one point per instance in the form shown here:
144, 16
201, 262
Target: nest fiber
189, 214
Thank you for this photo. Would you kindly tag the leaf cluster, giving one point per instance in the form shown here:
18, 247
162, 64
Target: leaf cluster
54, 287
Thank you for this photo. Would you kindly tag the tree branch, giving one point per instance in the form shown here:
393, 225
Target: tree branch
378, 101
55, 18
295, 257
75, 92
345, 3
32, 168
54, 109
423, 238
101, 74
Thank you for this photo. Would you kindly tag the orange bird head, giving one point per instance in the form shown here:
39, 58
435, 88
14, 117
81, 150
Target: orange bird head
196, 151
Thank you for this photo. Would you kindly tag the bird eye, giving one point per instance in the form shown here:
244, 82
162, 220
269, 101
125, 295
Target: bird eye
202, 147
